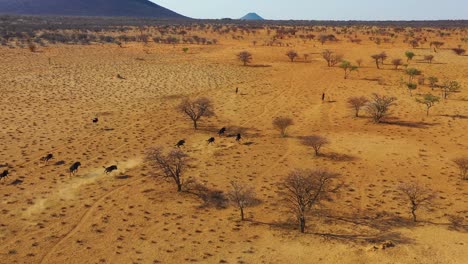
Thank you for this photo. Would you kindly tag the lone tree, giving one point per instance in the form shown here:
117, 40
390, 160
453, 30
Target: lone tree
412, 72
379, 106
462, 164
282, 124
429, 100
316, 142
433, 82
417, 196
450, 87
348, 68
409, 55
245, 57
411, 87
397, 63
356, 103
305, 189
379, 58
292, 55
172, 165
196, 109
429, 58
331, 58
241, 196
459, 51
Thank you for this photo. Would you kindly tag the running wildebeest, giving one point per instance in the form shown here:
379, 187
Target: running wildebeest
95, 120
110, 169
238, 137
47, 158
211, 140
222, 131
74, 168
4, 175
180, 143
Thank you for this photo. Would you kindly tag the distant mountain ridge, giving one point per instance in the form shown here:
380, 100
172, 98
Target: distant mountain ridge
126, 8
252, 16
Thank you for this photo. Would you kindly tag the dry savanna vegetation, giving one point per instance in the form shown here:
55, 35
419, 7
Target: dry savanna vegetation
145, 141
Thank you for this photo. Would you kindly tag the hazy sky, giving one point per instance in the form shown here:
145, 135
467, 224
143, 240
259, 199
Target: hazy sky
322, 9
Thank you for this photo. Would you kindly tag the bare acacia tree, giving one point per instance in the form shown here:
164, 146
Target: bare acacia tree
292, 55
417, 195
316, 142
172, 165
429, 58
196, 109
397, 63
241, 196
282, 124
379, 106
305, 189
331, 58
379, 58
462, 164
357, 103
245, 57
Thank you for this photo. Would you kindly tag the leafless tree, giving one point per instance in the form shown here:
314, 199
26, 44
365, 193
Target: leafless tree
459, 51
379, 58
397, 63
331, 58
306, 189
356, 103
462, 164
282, 124
241, 196
316, 142
429, 58
172, 165
417, 196
359, 62
292, 55
245, 57
196, 109
379, 106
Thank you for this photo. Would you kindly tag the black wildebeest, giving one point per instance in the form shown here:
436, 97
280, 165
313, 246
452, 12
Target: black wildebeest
4, 175
95, 120
222, 131
238, 137
47, 158
74, 168
180, 143
110, 169
211, 140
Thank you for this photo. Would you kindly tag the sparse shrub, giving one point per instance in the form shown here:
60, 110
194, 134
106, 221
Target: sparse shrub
331, 58
359, 62
316, 142
348, 68
282, 124
462, 164
429, 58
417, 196
245, 57
411, 87
379, 106
409, 55
241, 196
185, 50
292, 55
397, 63
459, 51
196, 109
411, 73
429, 100
450, 87
356, 103
433, 82
306, 189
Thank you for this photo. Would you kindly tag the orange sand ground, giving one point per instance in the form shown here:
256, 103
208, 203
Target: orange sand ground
98, 218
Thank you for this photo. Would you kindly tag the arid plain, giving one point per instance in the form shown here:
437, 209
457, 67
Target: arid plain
49, 97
